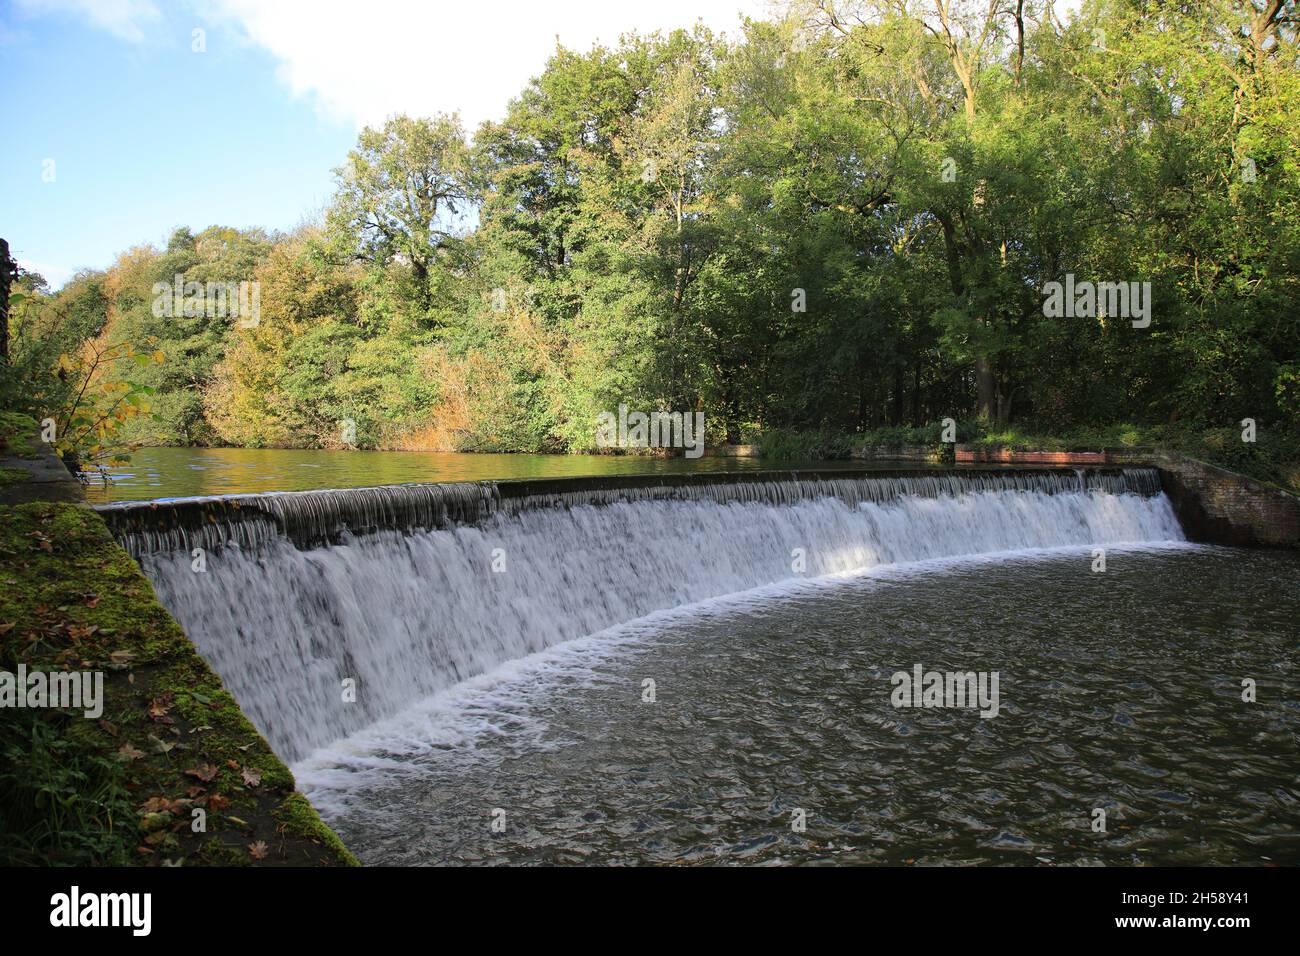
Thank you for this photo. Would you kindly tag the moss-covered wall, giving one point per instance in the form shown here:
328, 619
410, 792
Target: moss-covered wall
124, 788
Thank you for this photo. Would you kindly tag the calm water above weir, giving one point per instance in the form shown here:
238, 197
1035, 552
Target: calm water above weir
192, 472
1119, 691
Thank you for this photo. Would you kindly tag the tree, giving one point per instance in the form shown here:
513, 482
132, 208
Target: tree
400, 193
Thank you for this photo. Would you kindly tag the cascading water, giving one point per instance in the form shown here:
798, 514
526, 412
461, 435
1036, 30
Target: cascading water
408, 590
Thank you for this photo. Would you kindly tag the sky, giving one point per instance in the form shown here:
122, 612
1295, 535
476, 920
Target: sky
123, 122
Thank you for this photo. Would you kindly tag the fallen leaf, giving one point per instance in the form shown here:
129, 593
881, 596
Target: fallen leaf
127, 752
258, 850
205, 772
217, 802
154, 821
252, 777
6, 628
79, 632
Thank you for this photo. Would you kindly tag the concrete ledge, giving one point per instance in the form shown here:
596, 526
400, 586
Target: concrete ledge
37, 477
925, 453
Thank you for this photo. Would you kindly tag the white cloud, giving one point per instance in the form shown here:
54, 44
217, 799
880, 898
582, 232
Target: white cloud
122, 18
55, 275
362, 61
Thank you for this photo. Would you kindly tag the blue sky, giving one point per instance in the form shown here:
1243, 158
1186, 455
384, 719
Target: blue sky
146, 135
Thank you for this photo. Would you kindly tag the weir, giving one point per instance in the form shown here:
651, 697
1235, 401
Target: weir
310, 518
408, 590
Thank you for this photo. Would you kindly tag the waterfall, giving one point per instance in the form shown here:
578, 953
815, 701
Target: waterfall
316, 517
408, 590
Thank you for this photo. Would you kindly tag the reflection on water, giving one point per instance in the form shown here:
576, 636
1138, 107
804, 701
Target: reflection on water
187, 472
1119, 690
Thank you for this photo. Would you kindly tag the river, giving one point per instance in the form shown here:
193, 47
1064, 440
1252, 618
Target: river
704, 671
190, 472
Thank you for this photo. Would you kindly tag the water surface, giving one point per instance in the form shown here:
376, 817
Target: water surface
1119, 690
192, 472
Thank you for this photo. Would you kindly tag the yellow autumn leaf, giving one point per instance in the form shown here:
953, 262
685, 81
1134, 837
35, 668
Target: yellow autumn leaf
159, 356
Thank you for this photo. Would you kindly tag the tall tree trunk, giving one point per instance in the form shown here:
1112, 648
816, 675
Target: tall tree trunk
896, 414
987, 405
916, 392
985, 388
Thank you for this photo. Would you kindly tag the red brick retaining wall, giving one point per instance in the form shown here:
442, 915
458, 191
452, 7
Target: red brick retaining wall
967, 453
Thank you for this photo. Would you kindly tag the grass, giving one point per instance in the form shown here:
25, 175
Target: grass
171, 741
18, 435
794, 445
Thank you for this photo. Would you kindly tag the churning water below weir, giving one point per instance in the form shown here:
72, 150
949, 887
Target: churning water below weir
500, 644
1119, 691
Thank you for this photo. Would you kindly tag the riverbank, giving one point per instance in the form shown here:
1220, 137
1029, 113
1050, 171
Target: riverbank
171, 772
1272, 456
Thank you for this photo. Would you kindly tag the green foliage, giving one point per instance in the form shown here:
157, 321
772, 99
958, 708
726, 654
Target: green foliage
62, 801
117, 790
834, 224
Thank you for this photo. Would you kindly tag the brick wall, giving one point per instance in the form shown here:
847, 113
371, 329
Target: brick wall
969, 453
1222, 507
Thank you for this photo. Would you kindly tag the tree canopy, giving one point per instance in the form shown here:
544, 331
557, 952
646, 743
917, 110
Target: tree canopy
840, 220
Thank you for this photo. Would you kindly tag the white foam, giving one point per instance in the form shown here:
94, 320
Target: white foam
422, 617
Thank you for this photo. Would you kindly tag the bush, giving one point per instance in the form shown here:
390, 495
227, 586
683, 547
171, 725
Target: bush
61, 803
